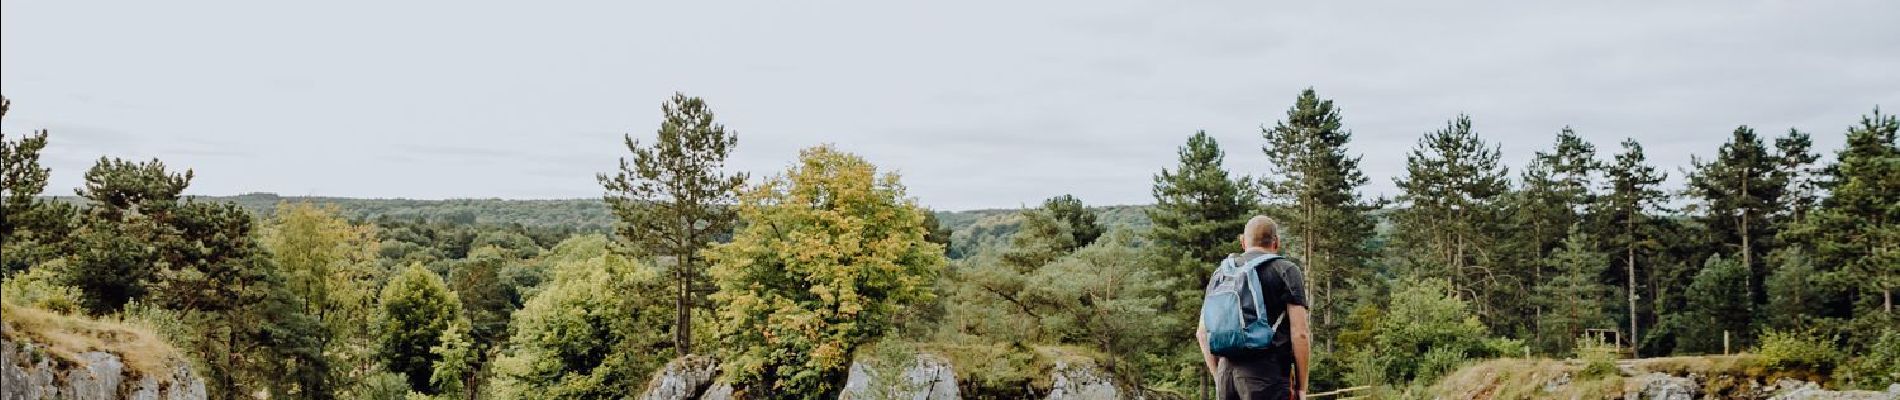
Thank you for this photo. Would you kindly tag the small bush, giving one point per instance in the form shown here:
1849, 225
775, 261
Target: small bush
380, 385
1503, 347
1791, 350
1365, 368
1438, 362
1878, 367
1598, 360
39, 287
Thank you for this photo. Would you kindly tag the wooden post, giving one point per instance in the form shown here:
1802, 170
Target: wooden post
1725, 343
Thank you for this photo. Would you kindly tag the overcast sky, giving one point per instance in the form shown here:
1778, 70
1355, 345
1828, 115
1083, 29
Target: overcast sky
978, 104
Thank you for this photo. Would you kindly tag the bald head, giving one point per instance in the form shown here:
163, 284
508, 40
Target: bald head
1261, 232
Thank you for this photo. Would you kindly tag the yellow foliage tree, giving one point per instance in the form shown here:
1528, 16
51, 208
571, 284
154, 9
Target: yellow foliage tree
829, 254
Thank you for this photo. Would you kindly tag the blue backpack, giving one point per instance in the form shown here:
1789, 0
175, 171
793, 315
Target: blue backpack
1234, 307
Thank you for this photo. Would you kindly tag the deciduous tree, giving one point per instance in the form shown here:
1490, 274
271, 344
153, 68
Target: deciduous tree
830, 251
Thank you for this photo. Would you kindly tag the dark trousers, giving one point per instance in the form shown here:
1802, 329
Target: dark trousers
1257, 379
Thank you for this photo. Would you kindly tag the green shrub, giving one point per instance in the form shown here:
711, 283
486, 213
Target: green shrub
1792, 350
1365, 368
39, 287
1438, 362
1598, 360
380, 385
1504, 347
1426, 331
1878, 367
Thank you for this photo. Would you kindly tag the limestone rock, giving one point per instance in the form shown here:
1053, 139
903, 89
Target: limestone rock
682, 379
31, 374
1800, 390
1083, 380
927, 377
718, 391
1660, 386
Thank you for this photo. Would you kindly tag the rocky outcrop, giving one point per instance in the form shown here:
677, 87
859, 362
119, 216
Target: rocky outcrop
926, 377
31, 373
683, 378
1083, 380
1800, 390
1660, 386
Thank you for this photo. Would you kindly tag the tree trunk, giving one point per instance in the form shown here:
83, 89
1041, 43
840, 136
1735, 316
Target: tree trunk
1747, 253
1631, 263
683, 305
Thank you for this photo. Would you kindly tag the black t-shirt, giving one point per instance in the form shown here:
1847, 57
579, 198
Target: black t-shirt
1282, 284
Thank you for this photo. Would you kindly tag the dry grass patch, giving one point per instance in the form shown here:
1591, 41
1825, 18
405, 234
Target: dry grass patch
1516, 378
64, 337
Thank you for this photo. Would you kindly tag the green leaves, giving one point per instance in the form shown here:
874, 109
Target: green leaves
415, 308
1427, 330
594, 331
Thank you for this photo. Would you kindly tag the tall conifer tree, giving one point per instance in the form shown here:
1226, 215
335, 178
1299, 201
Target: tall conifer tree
1740, 192
674, 198
1449, 220
1317, 182
1630, 196
1199, 210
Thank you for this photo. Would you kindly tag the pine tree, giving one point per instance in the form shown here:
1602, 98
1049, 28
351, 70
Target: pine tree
1741, 191
1572, 297
118, 244
1080, 219
1199, 211
673, 198
1718, 306
1553, 192
1318, 181
31, 228
1799, 176
1856, 231
1630, 196
247, 324
1198, 215
1042, 237
1448, 223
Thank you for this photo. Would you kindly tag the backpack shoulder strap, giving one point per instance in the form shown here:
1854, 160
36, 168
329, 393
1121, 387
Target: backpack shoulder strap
1253, 268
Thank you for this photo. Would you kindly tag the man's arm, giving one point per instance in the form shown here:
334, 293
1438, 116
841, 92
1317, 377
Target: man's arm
1200, 338
1302, 345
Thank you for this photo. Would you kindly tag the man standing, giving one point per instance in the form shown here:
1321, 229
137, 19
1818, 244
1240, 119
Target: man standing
1280, 370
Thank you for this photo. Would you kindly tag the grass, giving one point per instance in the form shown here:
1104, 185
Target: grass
1514, 378
65, 337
